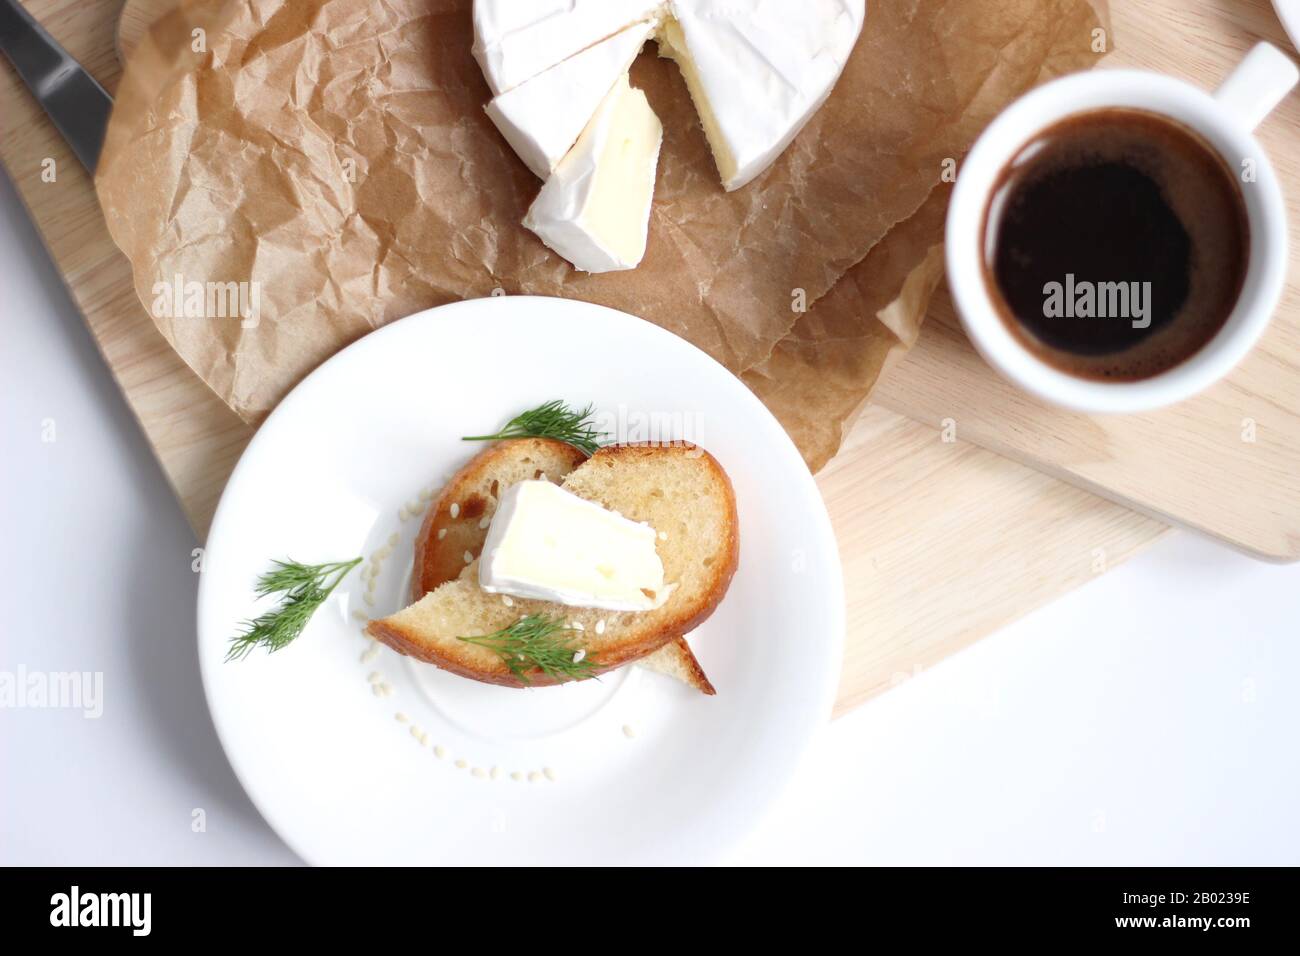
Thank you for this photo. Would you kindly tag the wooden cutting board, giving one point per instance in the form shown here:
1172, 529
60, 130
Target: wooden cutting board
942, 542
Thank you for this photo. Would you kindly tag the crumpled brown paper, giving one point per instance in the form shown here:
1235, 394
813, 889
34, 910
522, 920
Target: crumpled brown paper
334, 154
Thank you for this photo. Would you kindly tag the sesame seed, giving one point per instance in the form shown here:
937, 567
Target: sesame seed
440, 752
484, 521
455, 509
462, 763
479, 772
507, 600
550, 774
401, 718
377, 690
577, 625
581, 653
600, 626
402, 513
425, 494
534, 776
516, 776
369, 598
663, 535
468, 557
370, 653
628, 731
442, 533
375, 677
494, 772
358, 616
416, 732
415, 506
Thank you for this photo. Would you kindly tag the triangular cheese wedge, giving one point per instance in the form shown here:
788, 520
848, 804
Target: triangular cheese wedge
595, 208
543, 117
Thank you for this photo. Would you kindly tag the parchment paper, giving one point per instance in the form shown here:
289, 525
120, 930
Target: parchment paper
334, 154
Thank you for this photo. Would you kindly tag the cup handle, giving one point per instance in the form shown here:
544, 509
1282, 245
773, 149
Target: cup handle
1257, 85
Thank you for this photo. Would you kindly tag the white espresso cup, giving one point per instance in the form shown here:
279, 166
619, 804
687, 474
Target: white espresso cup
1225, 120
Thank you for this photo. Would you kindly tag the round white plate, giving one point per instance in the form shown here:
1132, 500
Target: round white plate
634, 768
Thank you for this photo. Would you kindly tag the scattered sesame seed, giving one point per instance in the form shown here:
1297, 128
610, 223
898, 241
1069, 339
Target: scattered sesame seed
550, 774
370, 587
370, 653
600, 626
440, 752
468, 557
579, 655
402, 513
377, 690
484, 521
375, 677
442, 533
628, 731
507, 600
416, 732
358, 616
534, 776
415, 507
516, 776
479, 772
494, 772
663, 535
425, 494
462, 763
369, 598
455, 509
401, 718
577, 625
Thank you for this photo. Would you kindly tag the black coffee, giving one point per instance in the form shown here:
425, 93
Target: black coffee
1116, 244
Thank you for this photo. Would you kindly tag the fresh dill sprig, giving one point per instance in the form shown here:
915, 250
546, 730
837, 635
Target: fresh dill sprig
305, 587
542, 642
552, 420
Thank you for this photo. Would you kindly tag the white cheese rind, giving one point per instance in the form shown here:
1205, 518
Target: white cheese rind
758, 70
595, 208
547, 544
543, 117
514, 40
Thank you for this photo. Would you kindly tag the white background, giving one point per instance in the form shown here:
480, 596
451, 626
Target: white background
1147, 718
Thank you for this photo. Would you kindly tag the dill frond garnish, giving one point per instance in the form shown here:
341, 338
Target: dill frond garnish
539, 642
552, 420
305, 587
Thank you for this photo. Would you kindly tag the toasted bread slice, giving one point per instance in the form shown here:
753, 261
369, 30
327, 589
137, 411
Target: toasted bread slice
678, 489
443, 541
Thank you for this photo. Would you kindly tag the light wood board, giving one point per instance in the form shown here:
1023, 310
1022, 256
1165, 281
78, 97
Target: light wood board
942, 542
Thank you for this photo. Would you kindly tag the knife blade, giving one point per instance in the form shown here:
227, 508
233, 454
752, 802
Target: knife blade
73, 100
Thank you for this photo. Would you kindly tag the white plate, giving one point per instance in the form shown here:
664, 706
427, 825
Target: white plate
645, 769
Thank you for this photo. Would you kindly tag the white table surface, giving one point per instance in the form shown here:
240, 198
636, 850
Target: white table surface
1147, 718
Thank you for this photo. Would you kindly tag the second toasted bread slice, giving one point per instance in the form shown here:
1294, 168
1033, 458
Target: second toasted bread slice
679, 489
